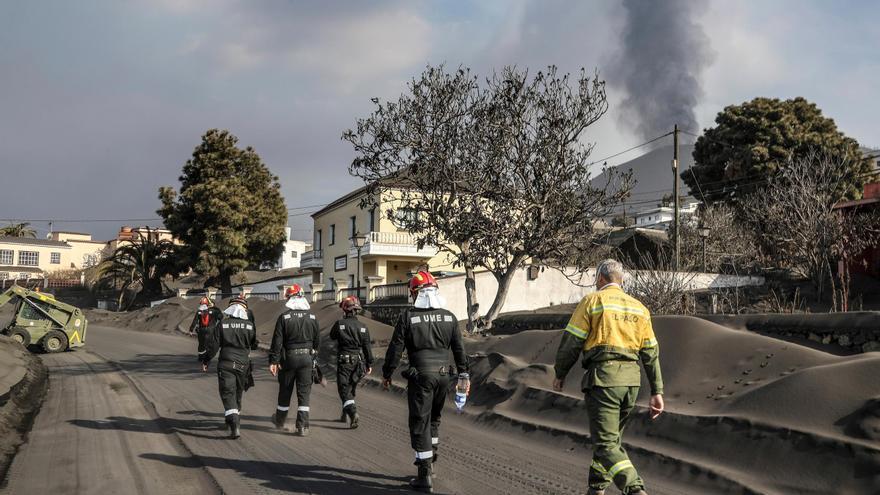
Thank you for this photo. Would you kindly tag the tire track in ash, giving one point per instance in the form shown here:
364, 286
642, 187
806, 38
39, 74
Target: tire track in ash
476, 459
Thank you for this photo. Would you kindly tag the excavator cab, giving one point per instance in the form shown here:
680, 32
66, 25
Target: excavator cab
42, 321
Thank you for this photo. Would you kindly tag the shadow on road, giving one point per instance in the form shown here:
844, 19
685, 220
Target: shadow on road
314, 422
183, 366
296, 477
199, 428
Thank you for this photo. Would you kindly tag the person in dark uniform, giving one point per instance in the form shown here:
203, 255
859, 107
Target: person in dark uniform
354, 356
206, 318
427, 332
292, 358
233, 338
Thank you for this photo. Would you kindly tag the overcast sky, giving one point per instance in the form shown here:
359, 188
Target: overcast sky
101, 102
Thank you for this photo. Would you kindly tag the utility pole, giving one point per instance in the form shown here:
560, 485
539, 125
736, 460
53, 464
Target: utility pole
677, 202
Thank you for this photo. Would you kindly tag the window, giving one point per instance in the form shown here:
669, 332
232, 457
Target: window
294, 254
317, 240
55, 258
4, 275
405, 217
333, 234
6, 256
373, 220
353, 226
351, 282
23, 276
29, 258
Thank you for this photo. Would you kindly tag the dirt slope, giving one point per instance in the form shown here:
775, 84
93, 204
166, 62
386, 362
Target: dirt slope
775, 416
23, 381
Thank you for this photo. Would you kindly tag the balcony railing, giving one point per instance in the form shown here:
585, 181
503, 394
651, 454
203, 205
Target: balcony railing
359, 292
400, 290
393, 244
312, 260
325, 295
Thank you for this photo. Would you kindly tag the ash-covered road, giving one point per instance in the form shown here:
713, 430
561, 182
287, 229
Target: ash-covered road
133, 413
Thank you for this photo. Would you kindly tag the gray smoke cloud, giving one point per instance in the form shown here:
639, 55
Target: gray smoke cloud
663, 54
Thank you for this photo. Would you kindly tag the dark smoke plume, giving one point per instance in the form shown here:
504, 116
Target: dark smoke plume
664, 52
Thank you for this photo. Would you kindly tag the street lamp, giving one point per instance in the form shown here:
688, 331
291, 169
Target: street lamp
358, 240
704, 236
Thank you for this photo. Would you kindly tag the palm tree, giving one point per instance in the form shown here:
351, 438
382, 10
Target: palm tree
141, 265
18, 230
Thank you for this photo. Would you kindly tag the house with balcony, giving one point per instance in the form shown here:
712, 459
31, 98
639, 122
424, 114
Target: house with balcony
660, 218
388, 254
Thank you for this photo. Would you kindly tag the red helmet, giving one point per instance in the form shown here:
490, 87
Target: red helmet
421, 280
238, 300
294, 291
350, 304
204, 301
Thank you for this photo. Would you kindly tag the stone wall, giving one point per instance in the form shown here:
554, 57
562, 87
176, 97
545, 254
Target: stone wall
387, 313
855, 331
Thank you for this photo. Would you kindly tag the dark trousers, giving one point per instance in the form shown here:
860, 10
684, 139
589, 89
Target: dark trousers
231, 388
296, 373
202, 333
348, 374
426, 395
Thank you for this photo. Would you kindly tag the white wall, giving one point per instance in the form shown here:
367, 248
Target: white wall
552, 288
272, 285
287, 259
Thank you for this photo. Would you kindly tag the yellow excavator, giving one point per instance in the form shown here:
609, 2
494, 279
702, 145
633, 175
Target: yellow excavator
42, 321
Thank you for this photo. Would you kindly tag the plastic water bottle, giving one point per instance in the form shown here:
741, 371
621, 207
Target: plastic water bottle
461, 391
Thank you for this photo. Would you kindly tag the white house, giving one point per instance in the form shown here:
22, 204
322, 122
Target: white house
293, 251
661, 217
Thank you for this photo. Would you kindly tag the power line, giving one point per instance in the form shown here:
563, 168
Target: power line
630, 149
31, 220
123, 220
307, 207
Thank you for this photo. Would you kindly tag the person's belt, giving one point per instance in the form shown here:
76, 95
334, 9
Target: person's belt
414, 371
300, 350
233, 365
349, 358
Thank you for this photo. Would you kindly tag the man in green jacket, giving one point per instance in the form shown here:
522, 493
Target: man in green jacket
611, 331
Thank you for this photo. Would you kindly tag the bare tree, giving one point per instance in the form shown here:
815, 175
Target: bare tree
731, 246
797, 223
659, 286
495, 175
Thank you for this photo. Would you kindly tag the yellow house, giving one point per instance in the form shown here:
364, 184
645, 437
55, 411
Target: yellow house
25, 258
389, 254
85, 252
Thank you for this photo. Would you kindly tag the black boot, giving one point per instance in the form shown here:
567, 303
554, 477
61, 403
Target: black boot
434, 463
279, 418
353, 416
234, 423
302, 424
344, 417
422, 483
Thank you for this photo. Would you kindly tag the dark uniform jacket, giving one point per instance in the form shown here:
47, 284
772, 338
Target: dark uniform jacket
213, 316
427, 335
234, 338
353, 337
203, 324
294, 330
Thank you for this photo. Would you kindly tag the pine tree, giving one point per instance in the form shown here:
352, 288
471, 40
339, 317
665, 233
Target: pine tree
229, 211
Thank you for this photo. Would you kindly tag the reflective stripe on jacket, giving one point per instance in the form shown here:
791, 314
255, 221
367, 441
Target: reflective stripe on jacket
613, 332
